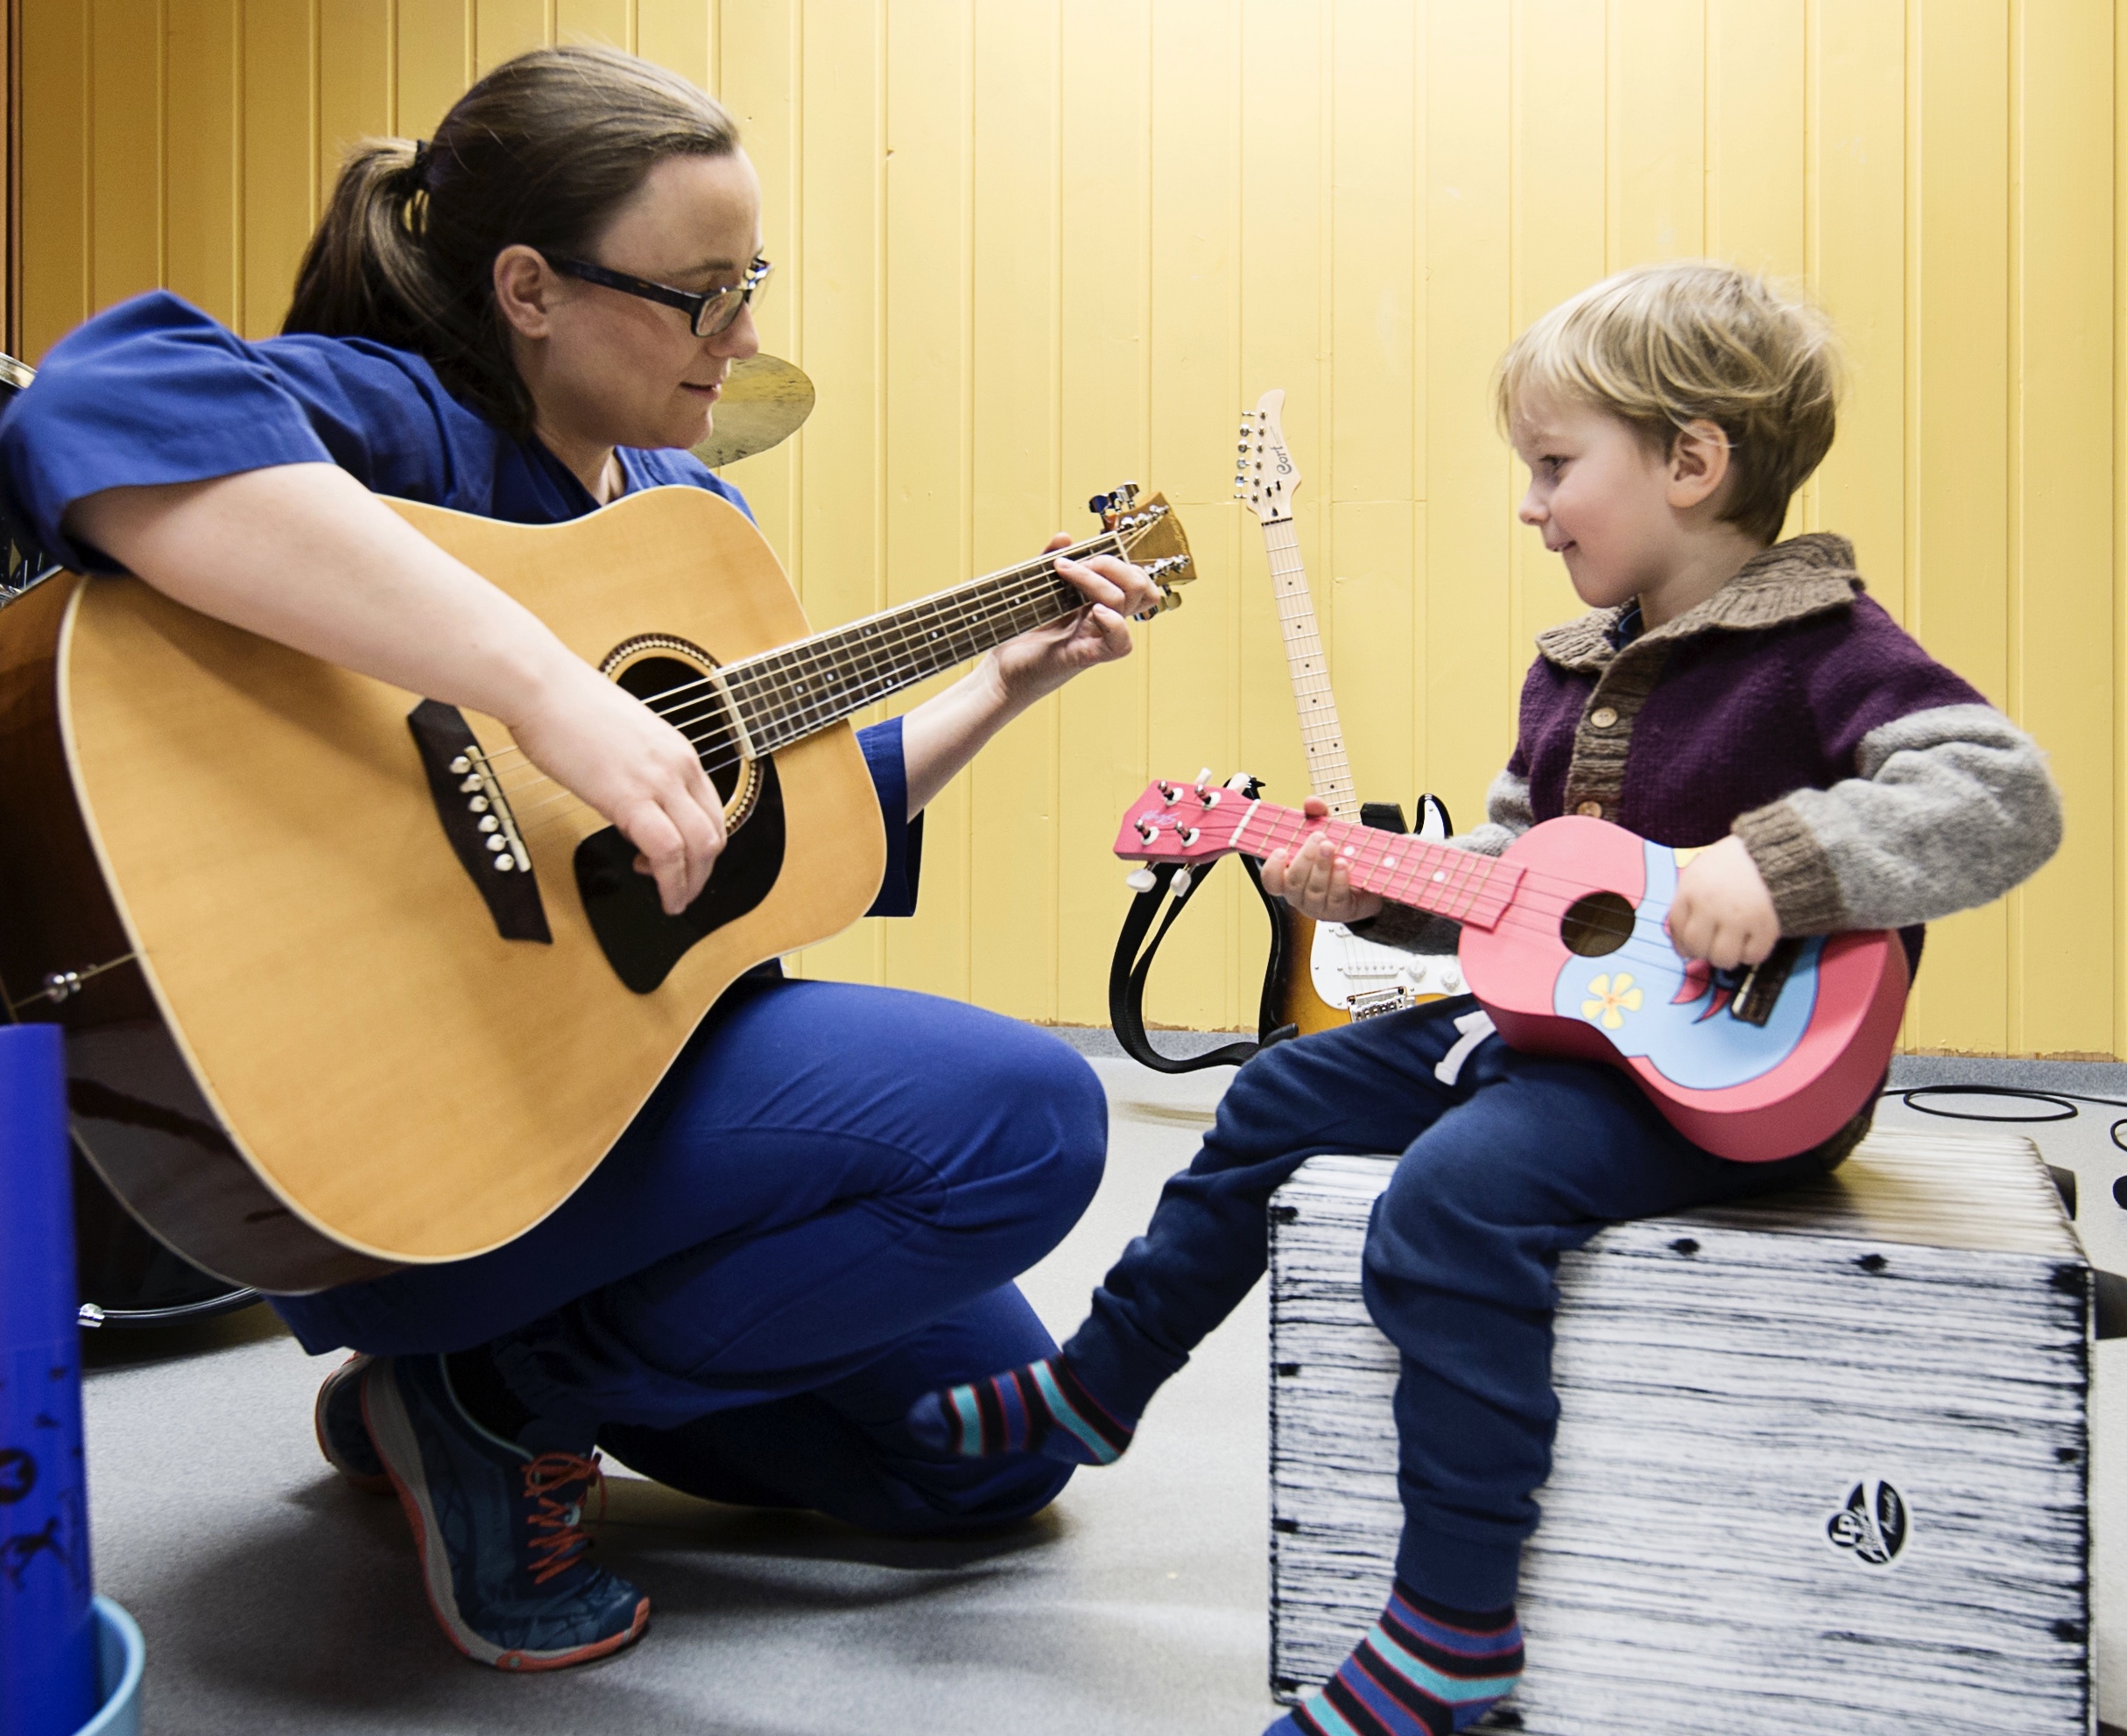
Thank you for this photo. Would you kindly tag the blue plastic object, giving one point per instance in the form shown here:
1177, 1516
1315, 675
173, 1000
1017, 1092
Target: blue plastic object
48, 1676
121, 1655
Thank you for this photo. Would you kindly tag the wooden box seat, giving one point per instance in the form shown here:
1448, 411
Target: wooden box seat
1822, 1463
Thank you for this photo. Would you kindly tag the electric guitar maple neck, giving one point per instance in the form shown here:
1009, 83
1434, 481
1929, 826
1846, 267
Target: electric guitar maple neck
1265, 481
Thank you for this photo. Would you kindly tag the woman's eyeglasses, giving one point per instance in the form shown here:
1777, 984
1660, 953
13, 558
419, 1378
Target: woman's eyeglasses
709, 313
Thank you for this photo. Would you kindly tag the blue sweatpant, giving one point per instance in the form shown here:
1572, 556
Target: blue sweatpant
1516, 1161
816, 1218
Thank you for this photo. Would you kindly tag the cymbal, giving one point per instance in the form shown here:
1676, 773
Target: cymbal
765, 401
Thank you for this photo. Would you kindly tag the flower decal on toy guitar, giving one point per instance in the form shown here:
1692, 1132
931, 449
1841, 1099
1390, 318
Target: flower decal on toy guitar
1679, 1024
1611, 999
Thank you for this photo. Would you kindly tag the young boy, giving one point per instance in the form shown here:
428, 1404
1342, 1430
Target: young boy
1727, 692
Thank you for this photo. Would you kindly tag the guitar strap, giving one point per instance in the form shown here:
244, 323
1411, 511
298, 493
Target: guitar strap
1128, 969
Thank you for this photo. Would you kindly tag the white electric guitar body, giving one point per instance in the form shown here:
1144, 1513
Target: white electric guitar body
1347, 977
1363, 976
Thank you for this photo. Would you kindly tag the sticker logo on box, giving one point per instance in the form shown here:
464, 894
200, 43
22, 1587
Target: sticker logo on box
1873, 1527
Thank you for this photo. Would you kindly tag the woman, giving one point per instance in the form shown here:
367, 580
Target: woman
818, 1214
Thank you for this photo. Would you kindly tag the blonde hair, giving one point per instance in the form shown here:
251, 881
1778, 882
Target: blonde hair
1659, 346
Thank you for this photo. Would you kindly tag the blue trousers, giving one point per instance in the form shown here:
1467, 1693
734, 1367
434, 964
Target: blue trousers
816, 1218
1503, 1170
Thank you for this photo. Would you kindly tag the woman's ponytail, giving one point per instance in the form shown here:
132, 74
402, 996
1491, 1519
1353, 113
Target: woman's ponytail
365, 272
541, 151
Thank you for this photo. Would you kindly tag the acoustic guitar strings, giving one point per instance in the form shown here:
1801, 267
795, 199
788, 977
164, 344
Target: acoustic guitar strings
792, 720
1019, 599
928, 638
983, 595
772, 675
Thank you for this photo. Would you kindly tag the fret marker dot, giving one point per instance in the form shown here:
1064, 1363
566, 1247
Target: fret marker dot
1388, 862
1440, 873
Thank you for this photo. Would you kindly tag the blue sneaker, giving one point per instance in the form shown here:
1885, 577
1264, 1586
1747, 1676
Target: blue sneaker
344, 1438
499, 1528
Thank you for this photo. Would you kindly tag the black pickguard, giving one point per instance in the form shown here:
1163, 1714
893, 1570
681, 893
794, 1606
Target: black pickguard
640, 941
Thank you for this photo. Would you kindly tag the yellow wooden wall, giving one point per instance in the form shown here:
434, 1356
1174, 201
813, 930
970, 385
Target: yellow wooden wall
1030, 248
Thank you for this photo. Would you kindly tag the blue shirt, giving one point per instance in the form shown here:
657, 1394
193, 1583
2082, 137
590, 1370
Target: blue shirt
153, 391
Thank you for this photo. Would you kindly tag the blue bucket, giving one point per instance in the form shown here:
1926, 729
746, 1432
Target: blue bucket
120, 1656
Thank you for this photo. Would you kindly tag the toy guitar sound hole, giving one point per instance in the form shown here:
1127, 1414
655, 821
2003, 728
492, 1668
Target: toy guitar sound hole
1598, 924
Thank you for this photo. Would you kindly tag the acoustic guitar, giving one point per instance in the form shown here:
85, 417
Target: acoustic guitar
1564, 947
1328, 975
347, 984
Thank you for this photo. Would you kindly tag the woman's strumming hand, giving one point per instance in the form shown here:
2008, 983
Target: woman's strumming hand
1314, 880
1723, 911
601, 743
304, 554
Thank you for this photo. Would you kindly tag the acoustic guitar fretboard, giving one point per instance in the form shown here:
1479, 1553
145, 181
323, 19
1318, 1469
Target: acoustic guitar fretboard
784, 695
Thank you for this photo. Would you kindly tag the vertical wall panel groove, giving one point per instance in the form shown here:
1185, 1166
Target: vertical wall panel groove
1028, 248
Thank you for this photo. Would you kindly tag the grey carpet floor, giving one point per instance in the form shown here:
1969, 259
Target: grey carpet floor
276, 1599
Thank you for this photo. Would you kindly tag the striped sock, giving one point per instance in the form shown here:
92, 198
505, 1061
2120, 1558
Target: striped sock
1042, 1406
1423, 1669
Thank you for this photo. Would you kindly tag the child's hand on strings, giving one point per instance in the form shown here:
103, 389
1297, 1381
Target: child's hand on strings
1722, 912
1313, 879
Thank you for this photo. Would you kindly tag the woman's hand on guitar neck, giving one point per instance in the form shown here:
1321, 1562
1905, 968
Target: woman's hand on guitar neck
1042, 659
1314, 882
946, 731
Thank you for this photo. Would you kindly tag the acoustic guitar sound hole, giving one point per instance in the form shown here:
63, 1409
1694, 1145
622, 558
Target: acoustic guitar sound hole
1598, 924
676, 690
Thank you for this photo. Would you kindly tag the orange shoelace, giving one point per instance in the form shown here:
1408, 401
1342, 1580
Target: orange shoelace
557, 1525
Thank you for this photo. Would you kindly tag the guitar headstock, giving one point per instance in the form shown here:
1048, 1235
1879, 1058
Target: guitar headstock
1152, 537
1264, 475
1184, 822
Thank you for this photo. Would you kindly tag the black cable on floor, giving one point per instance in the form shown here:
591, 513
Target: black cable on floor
2060, 1104
2110, 1289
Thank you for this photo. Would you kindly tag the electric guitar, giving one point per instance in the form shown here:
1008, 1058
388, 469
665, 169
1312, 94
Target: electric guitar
348, 983
1347, 977
1563, 945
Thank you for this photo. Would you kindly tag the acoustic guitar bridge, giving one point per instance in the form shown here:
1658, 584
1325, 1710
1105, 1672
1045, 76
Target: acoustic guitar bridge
477, 820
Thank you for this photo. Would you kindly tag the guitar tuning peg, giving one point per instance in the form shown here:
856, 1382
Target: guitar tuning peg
1142, 880
1180, 885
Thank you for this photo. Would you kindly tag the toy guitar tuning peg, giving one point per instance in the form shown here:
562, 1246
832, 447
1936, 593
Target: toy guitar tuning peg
1180, 885
1141, 880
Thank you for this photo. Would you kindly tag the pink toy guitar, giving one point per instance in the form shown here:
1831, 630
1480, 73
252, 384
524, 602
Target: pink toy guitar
1564, 947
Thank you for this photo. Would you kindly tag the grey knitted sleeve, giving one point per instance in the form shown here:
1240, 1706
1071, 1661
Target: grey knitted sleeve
1506, 816
1953, 807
